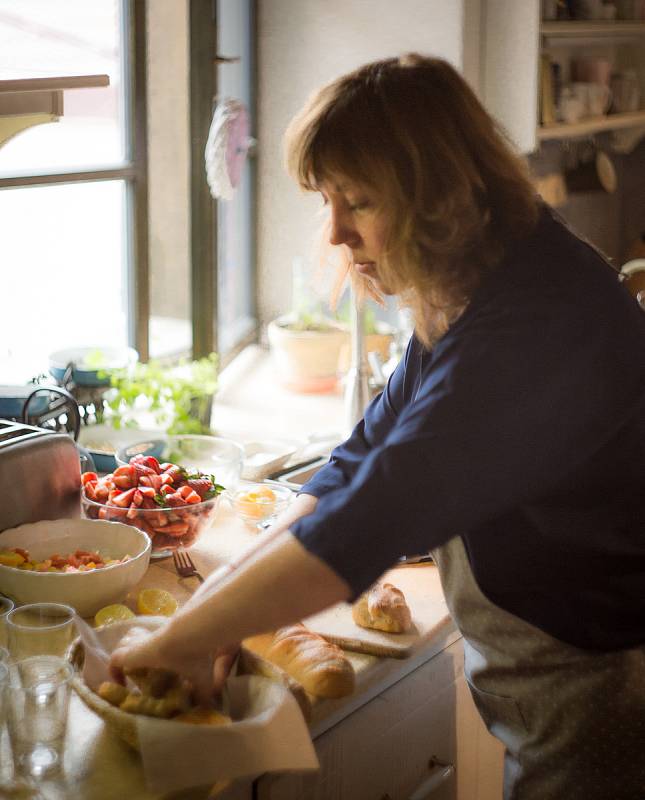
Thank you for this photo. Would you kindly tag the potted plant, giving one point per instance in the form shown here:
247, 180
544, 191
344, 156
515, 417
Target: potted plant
179, 399
306, 348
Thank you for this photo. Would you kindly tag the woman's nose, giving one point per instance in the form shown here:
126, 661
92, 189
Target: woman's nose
341, 230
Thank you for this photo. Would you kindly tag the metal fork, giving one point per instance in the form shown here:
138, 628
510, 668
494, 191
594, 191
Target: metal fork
184, 565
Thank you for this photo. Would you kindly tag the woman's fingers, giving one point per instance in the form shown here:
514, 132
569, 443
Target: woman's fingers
224, 660
130, 653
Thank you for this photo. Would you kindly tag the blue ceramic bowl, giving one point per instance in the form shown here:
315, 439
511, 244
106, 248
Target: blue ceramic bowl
89, 363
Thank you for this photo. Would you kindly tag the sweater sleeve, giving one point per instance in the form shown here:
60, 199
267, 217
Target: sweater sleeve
509, 404
378, 420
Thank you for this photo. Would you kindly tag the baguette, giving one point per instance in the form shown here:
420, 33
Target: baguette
320, 667
383, 608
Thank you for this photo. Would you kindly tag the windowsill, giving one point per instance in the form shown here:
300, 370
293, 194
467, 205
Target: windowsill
251, 404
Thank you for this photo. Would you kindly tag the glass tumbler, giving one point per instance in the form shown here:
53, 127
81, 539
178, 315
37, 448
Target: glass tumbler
6, 605
37, 699
40, 629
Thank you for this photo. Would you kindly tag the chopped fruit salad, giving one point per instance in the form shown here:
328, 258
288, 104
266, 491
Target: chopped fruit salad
79, 561
257, 503
170, 503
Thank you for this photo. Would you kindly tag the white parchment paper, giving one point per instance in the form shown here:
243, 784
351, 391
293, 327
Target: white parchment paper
268, 732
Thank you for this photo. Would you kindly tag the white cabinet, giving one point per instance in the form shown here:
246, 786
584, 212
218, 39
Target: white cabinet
421, 739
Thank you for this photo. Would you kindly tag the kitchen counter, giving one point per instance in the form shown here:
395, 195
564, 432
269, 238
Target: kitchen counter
99, 766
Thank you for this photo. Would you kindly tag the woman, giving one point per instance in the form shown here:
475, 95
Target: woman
509, 440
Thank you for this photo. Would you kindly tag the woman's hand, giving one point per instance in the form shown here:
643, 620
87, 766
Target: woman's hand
142, 648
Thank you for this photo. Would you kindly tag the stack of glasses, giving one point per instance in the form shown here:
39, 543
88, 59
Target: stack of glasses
35, 683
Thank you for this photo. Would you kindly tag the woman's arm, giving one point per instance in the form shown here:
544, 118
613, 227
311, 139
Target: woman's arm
277, 584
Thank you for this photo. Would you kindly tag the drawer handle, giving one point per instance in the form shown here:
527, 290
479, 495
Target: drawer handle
440, 773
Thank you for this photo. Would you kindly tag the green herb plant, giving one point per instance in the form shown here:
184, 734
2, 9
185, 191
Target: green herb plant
179, 398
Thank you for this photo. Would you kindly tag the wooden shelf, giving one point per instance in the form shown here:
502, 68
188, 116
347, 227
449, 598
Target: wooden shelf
585, 127
34, 101
592, 29
54, 84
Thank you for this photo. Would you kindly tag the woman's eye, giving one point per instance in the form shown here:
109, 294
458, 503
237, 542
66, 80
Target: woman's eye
359, 206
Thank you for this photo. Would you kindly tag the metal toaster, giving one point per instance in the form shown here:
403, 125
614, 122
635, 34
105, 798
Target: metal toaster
39, 475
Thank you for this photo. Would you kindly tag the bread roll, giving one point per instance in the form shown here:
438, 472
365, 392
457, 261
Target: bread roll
198, 715
383, 608
319, 666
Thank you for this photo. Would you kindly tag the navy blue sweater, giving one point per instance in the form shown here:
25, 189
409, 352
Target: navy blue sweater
523, 431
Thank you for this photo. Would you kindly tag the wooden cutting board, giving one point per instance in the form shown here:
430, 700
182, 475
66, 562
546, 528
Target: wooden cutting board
429, 613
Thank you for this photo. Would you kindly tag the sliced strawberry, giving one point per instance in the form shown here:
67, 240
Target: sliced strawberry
192, 498
89, 476
101, 492
125, 477
151, 461
176, 472
123, 499
175, 529
142, 469
203, 486
174, 500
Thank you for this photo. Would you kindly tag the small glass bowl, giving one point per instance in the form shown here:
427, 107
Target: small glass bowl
258, 504
168, 528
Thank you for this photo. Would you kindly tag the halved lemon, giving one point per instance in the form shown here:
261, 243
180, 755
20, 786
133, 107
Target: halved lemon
156, 601
114, 613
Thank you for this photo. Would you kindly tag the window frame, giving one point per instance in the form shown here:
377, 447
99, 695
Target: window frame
203, 216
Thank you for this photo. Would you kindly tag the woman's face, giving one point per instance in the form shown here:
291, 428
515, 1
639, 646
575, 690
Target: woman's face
358, 221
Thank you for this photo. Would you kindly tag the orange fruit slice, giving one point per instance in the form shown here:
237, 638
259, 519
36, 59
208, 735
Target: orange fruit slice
157, 602
112, 613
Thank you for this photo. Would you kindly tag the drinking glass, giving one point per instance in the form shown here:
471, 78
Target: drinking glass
40, 629
37, 701
6, 606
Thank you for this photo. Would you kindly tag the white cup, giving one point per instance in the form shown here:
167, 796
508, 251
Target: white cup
598, 99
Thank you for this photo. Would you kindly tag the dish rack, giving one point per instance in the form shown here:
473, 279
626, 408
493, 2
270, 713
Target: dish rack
43, 406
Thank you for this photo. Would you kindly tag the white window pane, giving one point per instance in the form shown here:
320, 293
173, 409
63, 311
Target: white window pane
62, 272
49, 38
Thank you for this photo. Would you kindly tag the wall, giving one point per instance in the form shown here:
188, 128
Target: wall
301, 45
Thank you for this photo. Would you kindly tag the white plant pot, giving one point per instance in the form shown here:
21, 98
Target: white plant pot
306, 361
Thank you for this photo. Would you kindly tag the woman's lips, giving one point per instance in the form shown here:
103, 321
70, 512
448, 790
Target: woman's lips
365, 267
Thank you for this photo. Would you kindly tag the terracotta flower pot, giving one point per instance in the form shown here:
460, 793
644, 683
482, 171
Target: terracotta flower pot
307, 360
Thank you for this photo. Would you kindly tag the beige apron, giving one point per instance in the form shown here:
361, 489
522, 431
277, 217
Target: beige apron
572, 721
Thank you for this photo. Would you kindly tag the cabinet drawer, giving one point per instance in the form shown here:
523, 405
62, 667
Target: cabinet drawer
384, 749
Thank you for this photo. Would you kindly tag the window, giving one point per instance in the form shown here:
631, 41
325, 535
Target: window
72, 193
108, 234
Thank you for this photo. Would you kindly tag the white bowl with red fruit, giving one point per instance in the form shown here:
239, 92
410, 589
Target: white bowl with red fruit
166, 501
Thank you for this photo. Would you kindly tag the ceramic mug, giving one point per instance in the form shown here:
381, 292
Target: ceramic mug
594, 97
591, 70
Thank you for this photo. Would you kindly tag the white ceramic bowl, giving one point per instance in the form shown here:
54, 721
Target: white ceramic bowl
84, 591
265, 456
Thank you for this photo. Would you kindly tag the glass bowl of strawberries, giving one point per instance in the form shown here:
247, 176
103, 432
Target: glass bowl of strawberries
172, 504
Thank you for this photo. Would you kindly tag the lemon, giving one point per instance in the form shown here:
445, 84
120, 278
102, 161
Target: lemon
156, 601
114, 613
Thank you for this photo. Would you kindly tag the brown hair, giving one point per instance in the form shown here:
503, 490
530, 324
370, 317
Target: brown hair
455, 193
